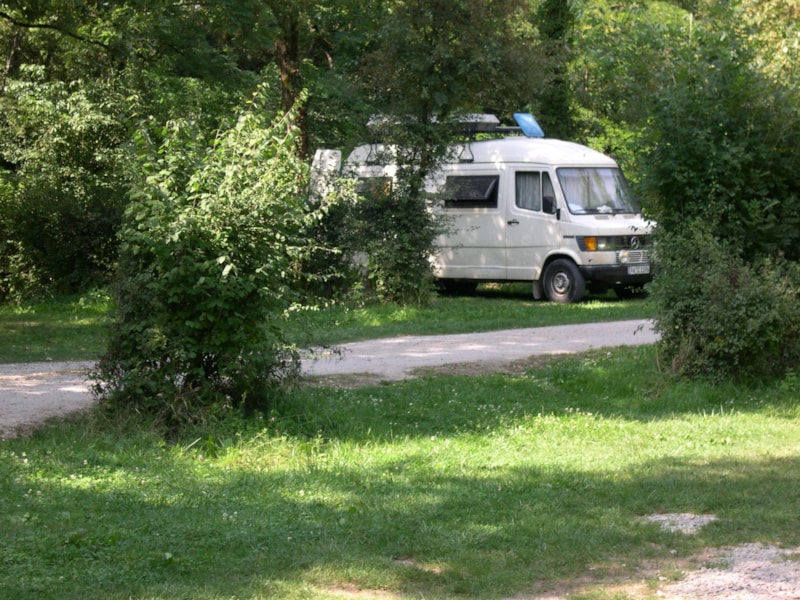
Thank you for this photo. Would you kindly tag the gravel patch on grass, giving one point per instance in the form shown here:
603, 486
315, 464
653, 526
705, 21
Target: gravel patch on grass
33, 393
747, 572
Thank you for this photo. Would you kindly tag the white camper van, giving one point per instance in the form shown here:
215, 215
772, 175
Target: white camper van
528, 208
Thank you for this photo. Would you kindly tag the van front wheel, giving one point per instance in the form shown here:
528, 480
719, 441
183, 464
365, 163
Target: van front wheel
562, 282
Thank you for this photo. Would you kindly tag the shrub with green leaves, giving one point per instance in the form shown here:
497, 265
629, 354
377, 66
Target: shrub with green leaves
396, 231
721, 176
62, 183
722, 317
723, 142
392, 224
211, 249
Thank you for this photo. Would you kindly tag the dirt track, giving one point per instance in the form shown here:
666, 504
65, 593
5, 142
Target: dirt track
398, 358
33, 393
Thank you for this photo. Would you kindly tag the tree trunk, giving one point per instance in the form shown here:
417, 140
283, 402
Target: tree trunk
287, 56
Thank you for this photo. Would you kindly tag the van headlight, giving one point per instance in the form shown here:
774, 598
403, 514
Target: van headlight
595, 243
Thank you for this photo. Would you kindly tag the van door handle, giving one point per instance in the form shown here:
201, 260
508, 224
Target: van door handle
513, 222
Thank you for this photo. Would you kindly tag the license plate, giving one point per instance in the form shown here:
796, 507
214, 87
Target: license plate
638, 269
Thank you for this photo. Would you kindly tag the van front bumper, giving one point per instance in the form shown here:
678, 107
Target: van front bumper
618, 274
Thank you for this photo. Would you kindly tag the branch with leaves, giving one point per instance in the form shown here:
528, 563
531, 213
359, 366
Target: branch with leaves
26, 25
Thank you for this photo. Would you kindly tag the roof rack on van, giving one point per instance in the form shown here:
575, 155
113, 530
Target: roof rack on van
476, 123
469, 124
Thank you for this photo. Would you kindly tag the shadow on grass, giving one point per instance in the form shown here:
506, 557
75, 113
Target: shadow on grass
439, 487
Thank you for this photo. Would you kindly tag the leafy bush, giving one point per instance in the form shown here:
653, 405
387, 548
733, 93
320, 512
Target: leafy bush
66, 187
391, 225
721, 176
18, 277
210, 261
723, 142
721, 317
396, 232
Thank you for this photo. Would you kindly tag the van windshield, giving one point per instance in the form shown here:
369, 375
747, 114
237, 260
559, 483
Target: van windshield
597, 190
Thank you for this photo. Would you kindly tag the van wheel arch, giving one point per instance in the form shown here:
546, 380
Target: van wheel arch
562, 281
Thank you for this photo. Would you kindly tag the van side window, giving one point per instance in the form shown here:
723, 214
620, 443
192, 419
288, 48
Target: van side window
547, 186
528, 190
531, 188
471, 191
548, 195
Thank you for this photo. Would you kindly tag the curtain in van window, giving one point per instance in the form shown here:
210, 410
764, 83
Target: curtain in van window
576, 189
528, 190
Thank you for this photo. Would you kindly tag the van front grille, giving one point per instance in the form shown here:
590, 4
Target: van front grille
637, 256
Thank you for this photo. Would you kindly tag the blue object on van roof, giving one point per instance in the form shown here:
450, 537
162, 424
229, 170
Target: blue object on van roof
528, 125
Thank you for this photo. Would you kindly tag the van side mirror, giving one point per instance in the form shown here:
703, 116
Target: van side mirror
549, 204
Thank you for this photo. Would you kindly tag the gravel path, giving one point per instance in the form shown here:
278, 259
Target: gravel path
397, 358
747, 572
33, 393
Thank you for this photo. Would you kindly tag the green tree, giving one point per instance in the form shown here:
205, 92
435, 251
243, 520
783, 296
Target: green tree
722, 141
556, 21
212, 248
623, 53
78, 79
721, 176
430, 59
427, 64
62, 148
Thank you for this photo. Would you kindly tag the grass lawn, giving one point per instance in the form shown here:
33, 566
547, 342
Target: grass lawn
65, 328
442, 487
74, 327
491, 486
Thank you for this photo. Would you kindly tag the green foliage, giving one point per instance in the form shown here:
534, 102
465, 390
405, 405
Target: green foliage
723, 142
395, 230
556, 22
720, 316
64, 185
443, 57
18, 276
78, 79
210, 255
721, 180
624, 54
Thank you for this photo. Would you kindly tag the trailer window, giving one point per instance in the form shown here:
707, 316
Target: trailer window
374, 187
471, 191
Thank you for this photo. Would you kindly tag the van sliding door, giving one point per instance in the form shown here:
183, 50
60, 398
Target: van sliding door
474, 247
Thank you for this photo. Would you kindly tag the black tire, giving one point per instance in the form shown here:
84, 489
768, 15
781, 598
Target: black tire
562, 282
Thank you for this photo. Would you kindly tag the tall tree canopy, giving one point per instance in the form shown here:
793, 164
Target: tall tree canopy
437, 58
81, 79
